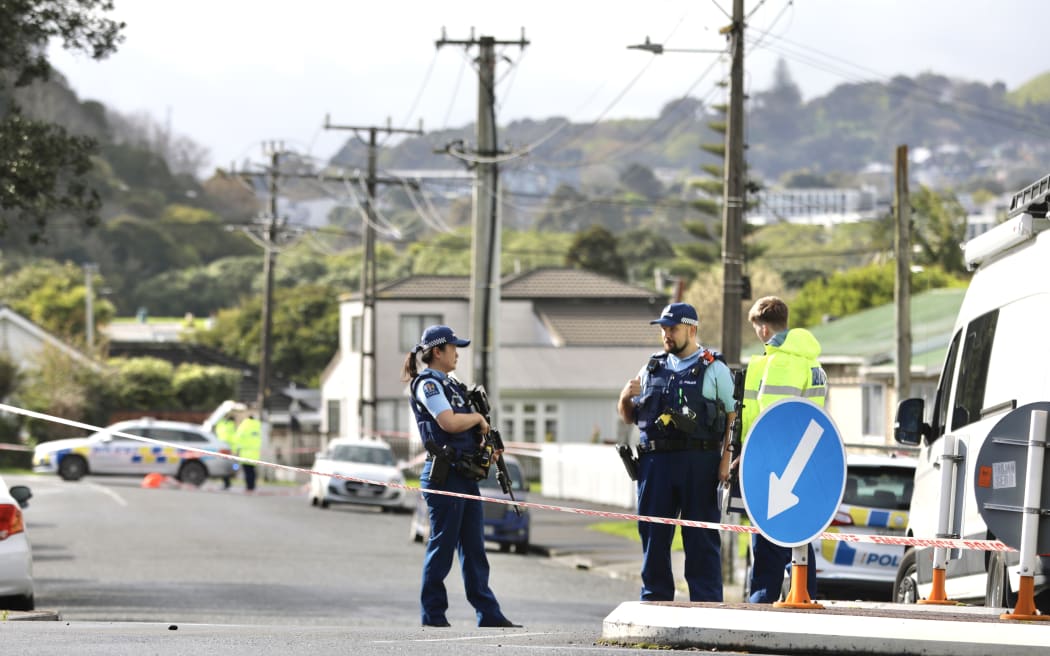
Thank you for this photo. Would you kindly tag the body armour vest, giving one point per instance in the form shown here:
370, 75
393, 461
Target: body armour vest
673, 405
434, 437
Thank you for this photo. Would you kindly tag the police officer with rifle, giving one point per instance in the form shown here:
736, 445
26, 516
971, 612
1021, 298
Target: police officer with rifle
458, 444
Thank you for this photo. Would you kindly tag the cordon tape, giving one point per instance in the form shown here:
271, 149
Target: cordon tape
946, 543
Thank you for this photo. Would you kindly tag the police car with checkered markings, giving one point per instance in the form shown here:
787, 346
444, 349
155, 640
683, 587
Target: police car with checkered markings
114, 450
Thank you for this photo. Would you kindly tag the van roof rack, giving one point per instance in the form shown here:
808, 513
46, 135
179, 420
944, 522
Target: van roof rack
1031, 200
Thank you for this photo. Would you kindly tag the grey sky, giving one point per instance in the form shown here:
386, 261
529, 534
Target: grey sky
231, 74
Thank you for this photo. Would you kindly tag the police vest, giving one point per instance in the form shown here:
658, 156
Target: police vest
679, 394
430, 431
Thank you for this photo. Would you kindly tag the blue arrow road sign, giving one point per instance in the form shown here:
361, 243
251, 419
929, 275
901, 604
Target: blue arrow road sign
793, 472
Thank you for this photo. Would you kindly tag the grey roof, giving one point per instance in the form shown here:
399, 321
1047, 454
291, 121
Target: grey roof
595, 323
574, 284
536, 284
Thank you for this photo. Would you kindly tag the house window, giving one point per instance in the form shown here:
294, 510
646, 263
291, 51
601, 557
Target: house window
411, 327
333, 417
355, 334
874, 410
535, 422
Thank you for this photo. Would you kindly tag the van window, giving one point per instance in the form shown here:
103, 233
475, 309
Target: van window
940, 408
973, 370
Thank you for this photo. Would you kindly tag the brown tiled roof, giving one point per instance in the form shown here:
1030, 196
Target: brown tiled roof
425, 287
594, 323
571, 283
535, 284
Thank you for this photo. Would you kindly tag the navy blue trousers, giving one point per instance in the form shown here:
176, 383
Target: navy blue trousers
456, 525
680, 484
768, 561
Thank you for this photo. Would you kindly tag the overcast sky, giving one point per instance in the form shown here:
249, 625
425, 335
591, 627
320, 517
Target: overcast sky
231, 74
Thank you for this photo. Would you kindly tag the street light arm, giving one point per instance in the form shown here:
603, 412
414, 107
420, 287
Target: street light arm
659, 49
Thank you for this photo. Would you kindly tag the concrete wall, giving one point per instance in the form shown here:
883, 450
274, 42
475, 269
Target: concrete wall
586, 472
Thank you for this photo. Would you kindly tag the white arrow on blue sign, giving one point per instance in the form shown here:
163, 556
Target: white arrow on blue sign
792, 472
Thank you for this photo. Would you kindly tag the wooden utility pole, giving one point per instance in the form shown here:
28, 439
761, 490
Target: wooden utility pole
902, 281
366, 405
486, 238
733, 199
269, 239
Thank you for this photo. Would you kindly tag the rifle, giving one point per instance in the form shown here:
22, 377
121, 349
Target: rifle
479, 400
729, 495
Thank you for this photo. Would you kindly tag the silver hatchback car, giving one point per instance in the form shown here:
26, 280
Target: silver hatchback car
114, 450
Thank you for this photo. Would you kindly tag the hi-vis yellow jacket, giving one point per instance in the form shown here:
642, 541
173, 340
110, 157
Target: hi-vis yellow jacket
785, 371
249, 438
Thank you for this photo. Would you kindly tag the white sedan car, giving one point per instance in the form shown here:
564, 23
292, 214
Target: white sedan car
114, 450
16, 560
370, 460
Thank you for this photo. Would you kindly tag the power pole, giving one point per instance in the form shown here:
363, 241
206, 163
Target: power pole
270, 237
486, 233
733, 200
902, 281
90, 269
367, 386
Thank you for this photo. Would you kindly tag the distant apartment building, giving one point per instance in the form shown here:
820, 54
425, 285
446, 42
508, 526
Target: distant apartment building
817, 206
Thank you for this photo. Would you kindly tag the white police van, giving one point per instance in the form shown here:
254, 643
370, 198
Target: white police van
996, 362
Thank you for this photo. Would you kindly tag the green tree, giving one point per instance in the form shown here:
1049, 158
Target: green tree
53, 296
60, 385
143, 383
304, 337
42, 166
200, 387
594, 249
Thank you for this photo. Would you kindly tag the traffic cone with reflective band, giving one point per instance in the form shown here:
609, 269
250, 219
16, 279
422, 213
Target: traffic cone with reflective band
798, 595
1025, 608
937, 595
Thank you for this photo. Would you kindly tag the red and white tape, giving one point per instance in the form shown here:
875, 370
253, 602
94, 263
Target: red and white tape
947, 543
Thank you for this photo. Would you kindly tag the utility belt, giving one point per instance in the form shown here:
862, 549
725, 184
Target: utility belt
672, 444
473, 465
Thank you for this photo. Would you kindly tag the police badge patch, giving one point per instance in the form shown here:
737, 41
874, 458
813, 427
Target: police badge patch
430, 388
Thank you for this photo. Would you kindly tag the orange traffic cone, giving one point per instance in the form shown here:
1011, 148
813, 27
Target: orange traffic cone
154, 480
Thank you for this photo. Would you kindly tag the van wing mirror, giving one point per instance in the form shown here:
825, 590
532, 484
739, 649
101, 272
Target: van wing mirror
908, 426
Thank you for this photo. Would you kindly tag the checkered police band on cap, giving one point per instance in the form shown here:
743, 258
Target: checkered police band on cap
436, 336
677, 313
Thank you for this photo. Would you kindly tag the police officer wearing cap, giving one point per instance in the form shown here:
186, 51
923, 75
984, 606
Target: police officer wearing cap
682, 402
451, 432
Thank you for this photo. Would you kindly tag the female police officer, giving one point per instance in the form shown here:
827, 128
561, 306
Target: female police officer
452, 433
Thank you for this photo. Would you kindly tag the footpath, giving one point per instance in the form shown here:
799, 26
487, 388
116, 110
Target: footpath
839, 627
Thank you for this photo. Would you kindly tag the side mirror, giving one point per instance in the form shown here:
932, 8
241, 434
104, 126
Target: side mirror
22, 495
908, 426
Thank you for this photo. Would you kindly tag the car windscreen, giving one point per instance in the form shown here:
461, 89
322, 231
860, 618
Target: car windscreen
355, 453
879, 487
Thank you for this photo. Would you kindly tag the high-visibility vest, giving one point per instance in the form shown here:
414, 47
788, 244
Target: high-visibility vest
249, 438
226, 430
790, 370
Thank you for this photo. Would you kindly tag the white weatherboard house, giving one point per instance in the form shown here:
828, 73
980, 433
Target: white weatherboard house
24, 341
569, 339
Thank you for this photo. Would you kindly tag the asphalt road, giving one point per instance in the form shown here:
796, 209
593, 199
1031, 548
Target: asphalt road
182, 571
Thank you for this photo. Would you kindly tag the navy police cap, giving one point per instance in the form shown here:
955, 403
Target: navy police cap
437, 335
677, 313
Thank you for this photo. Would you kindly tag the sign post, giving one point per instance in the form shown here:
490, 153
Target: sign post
792, 475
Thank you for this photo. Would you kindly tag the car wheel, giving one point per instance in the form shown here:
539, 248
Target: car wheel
997, 591
324, 503
504, 547
72, 468
18, 602
906, 585
193, 472
522, 548
313, 500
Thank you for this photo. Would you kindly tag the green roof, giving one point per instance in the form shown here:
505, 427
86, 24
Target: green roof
871, 336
